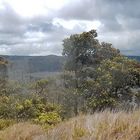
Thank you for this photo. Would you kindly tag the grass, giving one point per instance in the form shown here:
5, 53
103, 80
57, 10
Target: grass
100, 126
22, 131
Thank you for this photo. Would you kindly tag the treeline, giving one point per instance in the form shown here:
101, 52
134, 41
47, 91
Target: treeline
95, 77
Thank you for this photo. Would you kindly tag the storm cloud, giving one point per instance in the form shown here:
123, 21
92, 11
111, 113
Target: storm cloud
116, 21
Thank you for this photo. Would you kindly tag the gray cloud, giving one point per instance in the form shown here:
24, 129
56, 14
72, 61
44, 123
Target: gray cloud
11, 22
107, 11
29, 36
40, 36
120, 20
91, 9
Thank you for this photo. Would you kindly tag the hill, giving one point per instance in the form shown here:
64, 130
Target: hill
50, 63
134, 57
100, 126
25, 68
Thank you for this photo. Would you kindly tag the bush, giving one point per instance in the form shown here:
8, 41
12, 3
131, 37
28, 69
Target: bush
51, 118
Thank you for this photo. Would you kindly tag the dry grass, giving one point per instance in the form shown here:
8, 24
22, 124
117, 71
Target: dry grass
100, 126
22, 131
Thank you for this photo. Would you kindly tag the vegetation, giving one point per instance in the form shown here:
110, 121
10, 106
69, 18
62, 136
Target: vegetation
104, 125
99, 73
96, 77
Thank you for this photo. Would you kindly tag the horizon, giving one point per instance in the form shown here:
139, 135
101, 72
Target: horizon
53, 55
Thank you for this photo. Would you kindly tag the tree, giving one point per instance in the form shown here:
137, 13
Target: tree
84, 54
85, 50
71, 97
112, 83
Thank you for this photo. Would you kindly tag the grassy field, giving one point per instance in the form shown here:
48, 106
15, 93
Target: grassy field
100, 126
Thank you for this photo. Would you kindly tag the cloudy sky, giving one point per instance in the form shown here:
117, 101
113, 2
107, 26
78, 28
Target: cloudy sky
37, 27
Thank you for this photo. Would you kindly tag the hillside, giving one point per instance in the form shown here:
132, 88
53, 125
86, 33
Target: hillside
25, 68
100, 126
31, 64
50, 63
134, 57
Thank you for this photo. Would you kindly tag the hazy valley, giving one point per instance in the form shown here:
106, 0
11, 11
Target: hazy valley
26, 68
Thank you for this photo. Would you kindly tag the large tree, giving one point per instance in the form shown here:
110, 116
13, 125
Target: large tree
101, 73
84, 53
85, 50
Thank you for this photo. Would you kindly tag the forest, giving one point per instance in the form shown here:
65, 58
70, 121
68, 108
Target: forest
96, 80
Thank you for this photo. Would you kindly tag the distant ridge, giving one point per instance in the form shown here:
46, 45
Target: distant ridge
49, 63
134, 57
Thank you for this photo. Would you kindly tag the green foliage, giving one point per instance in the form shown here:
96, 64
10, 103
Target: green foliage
96, 76
111, 82
85, 50
100, 74
102, 102
51, 118
79, 49
33, 108
7, 107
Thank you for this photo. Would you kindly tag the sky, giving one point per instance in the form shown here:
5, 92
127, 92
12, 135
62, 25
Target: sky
37, 27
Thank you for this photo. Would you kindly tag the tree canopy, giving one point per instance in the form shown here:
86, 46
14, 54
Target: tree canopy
103, 76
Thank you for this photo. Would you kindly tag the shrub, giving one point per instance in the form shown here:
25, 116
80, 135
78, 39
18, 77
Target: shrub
51, 118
